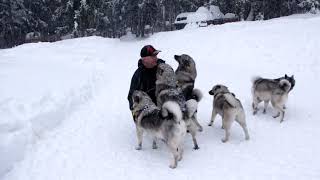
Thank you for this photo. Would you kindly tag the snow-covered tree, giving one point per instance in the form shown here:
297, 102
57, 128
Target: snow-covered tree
13, 22
113, 18
311, 6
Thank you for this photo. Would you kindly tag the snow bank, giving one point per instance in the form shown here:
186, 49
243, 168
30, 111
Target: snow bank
41, 85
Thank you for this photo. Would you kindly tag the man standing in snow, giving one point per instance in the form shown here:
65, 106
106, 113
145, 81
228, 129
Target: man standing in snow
144, 78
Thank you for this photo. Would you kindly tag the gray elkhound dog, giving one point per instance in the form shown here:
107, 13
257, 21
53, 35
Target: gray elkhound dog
166, 90
165, 123
229, 107
186, 74
274, 90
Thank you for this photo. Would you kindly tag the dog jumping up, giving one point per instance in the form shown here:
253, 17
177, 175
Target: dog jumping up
167, 90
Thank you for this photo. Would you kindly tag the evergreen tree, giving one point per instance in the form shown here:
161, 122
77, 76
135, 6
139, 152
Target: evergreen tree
13, 22
55, 19
309, 5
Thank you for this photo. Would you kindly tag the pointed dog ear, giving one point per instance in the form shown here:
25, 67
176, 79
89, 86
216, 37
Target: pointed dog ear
177, 57
292, 76
285, 76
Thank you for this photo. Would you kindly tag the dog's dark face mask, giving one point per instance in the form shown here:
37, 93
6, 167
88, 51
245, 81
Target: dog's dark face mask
218, 89
211, 92
291, 80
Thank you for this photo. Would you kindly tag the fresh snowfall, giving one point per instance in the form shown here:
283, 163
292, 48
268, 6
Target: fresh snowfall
64, 112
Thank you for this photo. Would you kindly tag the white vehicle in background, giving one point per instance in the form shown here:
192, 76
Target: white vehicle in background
203, 17
182, 20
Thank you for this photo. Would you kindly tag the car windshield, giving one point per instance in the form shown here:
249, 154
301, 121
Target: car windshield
182, 18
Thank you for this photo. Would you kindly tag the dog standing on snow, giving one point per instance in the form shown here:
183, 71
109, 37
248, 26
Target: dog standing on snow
229, 108
274, 90
163, 123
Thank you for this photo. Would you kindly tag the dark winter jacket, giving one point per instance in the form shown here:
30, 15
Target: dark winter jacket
144, 79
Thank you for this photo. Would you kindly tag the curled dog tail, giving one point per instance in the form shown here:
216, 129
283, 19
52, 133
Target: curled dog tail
171, 107
231, 99
197, 95
285, 85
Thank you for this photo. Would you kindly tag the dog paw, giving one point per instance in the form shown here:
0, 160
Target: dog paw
224, 140
154, 147
264, 111
138, 148
200, 129
172, 166
196, 147
210, 124
247, 138
276, 116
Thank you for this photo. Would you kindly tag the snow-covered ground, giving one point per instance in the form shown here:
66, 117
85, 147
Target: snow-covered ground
64, 112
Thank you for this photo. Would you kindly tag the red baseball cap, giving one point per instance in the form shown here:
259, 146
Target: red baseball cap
148, 50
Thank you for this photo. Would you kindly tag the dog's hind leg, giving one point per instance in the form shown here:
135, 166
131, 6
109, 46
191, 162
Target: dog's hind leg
175, 152
283, 112
200, 129
255, 103
277, 115
266, 102
193, 131
195, 143
227, 122
213, 116
241, 119
180, 152
280, 110
282, 117
195, 119
139, 136
154, 143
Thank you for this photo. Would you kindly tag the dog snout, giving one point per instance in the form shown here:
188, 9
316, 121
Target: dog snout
176, 57
211, 92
